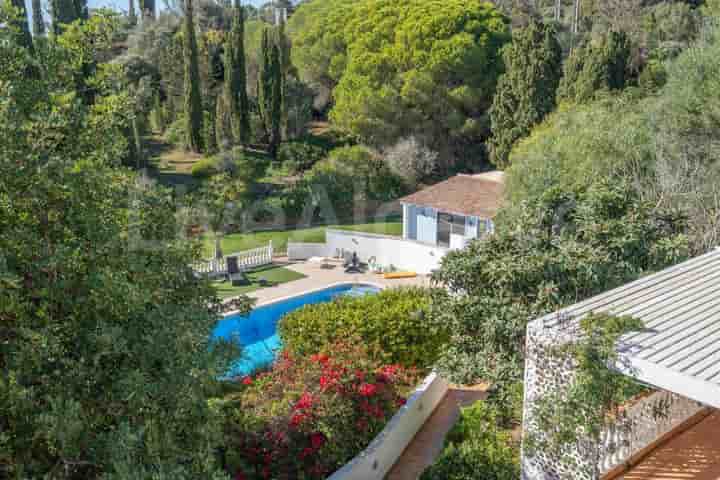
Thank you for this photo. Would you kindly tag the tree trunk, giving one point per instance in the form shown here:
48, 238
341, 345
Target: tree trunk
576, 18
38, 22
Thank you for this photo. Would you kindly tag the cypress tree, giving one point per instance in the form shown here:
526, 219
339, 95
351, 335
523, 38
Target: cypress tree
242, 127
526, 91
147, 9
276, 102
230, 99
270, 91
223, 131
38, 23
594, 67
264, 80
22, 36
65, 12
193, 102
284, 46
132, 19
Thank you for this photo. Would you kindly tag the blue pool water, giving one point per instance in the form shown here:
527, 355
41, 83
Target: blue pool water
257, 331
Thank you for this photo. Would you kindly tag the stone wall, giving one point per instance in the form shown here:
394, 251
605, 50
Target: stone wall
639, 425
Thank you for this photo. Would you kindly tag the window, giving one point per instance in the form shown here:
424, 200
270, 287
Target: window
449, 225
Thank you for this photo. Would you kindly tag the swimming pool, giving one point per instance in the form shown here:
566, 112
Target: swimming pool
257, 331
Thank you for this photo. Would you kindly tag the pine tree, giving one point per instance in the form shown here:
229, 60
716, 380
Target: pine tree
526, 91
38, 23
242, 128
23, 36
193, 102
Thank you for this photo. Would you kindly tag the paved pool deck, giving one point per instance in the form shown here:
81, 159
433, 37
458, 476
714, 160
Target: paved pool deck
317, 278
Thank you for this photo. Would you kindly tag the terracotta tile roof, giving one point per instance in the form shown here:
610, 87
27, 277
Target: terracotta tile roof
477, 195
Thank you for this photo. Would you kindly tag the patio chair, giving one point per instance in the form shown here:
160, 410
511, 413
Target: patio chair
235, 275
354, 265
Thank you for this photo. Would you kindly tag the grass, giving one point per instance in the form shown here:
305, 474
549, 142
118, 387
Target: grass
238, 242
274, 275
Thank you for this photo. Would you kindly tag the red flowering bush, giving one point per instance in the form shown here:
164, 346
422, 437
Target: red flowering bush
309, 415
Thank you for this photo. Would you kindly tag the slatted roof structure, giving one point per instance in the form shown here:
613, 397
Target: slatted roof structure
679, 349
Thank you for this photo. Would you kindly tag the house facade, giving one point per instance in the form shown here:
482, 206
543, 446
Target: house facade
451, 213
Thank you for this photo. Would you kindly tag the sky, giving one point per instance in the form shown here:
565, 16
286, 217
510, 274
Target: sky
115, 4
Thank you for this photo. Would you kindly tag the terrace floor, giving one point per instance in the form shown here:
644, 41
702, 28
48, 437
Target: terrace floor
428, 443
692, 455
318, 278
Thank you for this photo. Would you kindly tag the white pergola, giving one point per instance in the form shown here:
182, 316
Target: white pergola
679, 350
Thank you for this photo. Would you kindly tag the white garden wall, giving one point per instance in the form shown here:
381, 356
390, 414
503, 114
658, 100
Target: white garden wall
385, 449
387, 250
303, 251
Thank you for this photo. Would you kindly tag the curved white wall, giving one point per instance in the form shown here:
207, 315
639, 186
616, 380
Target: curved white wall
377, 459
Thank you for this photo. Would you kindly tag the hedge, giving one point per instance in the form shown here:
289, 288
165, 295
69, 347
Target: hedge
392, 324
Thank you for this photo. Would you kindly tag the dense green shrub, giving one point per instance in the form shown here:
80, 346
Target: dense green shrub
297, 157
348, 176
477, 449
175, 132
207, 167
394, 321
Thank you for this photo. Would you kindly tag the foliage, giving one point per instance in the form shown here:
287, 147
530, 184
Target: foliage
425, 68
299, 156
205, 168
193, 114
311, 414
104, 351
317, 33
65, 12
270, 90
526, 91
337, 184
241, 121
665, 143
476, 448
552, 250
411, 160
394, 322
579, 412
603, 65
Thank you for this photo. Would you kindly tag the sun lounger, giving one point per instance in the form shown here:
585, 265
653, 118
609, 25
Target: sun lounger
398, 275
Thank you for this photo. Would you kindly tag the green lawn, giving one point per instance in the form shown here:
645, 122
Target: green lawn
245, 241
273, 274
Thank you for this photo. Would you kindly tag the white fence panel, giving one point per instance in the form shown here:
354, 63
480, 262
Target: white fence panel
248, 259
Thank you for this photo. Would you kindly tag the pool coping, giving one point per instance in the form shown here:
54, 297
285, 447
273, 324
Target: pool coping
305, 292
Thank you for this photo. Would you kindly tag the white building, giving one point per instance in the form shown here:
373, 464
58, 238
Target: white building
451, 213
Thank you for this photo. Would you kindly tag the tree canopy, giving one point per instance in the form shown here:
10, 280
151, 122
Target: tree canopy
425, 68
104, 331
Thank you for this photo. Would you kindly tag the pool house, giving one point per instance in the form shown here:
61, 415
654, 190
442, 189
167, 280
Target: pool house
451, 213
